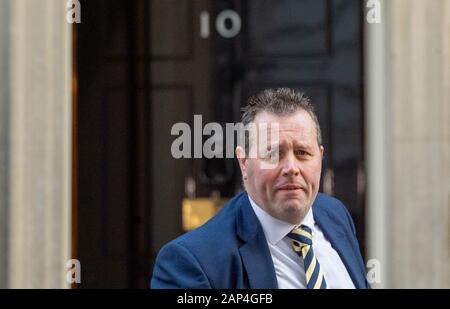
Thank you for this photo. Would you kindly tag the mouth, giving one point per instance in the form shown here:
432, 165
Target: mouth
290, 187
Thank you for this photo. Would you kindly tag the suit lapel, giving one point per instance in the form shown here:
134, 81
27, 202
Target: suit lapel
339, 241
260, 270
255, 251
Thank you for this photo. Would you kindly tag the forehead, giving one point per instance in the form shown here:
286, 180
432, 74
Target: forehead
299, 124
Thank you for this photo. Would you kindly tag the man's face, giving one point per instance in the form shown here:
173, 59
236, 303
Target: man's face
287, 190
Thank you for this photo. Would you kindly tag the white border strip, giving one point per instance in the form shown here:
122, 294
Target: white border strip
377, 81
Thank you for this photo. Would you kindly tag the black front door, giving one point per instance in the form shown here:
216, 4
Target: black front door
314, 46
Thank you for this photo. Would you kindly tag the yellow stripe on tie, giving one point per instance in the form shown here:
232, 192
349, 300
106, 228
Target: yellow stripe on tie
310, 270
319, 280
305, 251
302, 233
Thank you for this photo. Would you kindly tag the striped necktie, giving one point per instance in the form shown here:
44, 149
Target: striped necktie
302, 245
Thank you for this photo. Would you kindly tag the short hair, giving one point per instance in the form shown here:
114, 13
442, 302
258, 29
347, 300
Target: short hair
281, 102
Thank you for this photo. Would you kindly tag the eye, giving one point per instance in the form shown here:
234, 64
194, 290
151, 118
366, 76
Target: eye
301, 153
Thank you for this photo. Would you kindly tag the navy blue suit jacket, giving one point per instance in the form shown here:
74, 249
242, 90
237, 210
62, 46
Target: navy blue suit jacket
230, 251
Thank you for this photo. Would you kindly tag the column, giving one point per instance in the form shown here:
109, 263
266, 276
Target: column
420, 201
39, 144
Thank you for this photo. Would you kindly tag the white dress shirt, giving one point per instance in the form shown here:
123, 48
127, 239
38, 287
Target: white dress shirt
288, 265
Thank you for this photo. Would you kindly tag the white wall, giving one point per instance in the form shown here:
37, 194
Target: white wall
420, 61
408, 109
39, 144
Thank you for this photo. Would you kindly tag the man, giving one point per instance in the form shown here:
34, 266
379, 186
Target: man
280, 232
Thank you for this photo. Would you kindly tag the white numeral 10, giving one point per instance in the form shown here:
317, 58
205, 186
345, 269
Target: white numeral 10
228, 33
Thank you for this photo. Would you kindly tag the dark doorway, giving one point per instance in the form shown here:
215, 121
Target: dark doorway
145, 65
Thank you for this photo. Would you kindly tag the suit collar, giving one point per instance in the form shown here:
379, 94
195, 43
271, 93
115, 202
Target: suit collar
255, 252
339, 240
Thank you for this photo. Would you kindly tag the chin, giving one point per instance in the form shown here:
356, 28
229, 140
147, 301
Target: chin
293, 203
296, 208
292, 212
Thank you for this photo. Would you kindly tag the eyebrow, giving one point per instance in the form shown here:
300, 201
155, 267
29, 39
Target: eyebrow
296, 145
304, 146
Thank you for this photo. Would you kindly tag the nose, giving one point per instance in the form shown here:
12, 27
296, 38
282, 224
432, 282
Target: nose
289, 165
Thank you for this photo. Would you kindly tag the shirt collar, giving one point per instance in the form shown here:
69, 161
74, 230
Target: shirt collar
275, 229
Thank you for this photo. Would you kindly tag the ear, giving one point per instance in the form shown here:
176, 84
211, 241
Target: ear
322, 150
240, 155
